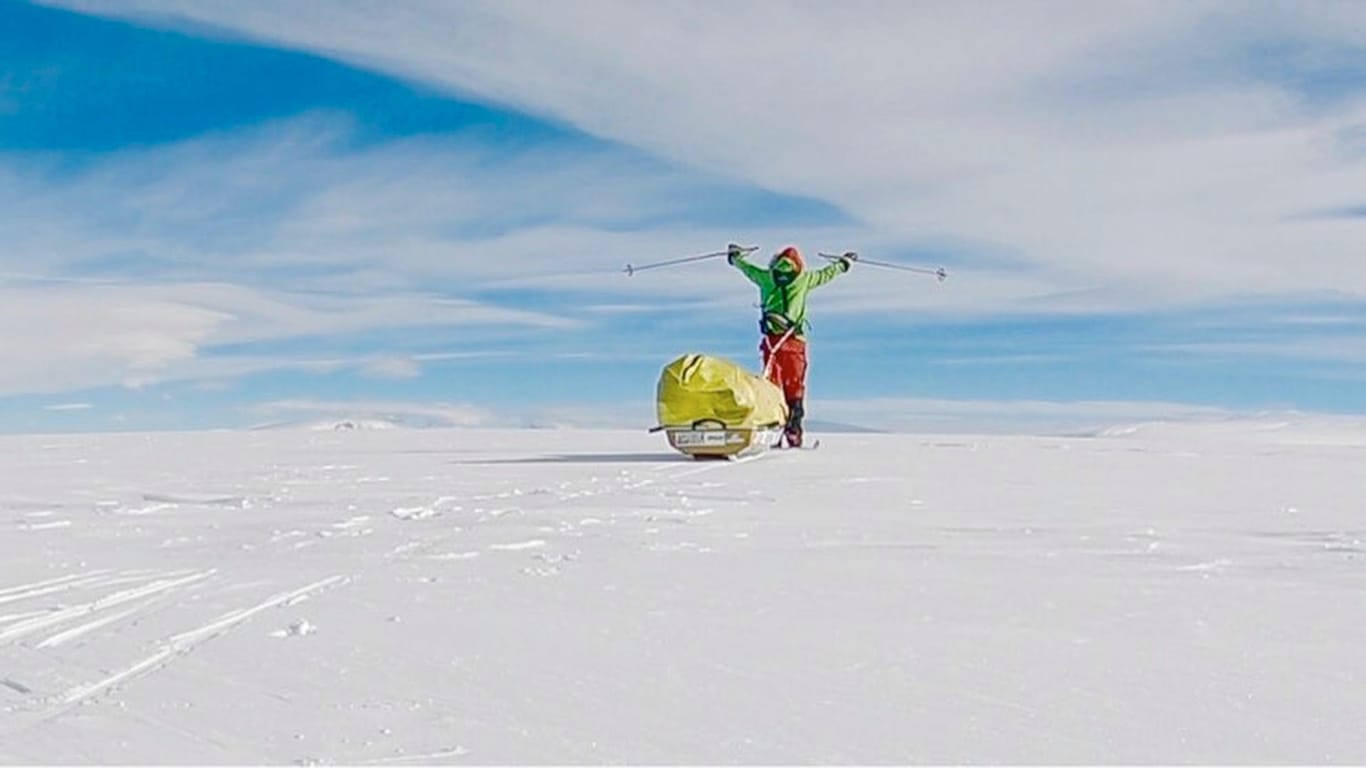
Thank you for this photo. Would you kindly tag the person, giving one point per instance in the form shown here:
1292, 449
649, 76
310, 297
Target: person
783, 287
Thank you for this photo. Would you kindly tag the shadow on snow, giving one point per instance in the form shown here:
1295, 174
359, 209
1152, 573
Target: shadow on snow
588, 458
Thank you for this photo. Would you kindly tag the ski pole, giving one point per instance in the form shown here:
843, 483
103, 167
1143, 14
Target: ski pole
631, 269
938, 273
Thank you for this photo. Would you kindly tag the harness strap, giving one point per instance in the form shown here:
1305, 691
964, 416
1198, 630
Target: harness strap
773, 349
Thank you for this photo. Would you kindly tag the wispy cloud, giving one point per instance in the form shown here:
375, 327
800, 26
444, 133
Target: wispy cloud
1345, 349
69, 337
68, 407
1143, 150
392, 368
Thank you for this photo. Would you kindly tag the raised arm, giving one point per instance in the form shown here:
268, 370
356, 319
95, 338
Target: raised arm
736, 257
833, 270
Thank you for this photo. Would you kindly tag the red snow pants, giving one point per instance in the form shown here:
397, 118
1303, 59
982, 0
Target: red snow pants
785, 361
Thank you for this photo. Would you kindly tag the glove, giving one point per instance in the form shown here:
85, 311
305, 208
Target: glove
733, 253
847, 260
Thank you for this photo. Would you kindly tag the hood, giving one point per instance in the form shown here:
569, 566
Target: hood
788, 259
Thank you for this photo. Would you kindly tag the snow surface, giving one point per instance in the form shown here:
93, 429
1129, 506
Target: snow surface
390, 597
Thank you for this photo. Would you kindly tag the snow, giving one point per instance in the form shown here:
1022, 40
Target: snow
1159, 594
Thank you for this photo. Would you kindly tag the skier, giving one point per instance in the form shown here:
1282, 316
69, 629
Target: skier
782, 292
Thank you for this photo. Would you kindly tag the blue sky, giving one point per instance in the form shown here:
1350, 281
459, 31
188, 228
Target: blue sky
234, 213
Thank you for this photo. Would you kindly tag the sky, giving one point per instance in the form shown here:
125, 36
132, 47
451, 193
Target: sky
235, 213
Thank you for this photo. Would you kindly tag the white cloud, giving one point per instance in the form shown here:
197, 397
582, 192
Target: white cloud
58, 338
72, 336
68, 407
1119, 146
392, 368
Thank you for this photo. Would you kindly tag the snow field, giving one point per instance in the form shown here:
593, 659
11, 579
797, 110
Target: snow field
408, 597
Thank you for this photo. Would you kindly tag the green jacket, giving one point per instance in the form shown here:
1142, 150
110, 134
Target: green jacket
788, 301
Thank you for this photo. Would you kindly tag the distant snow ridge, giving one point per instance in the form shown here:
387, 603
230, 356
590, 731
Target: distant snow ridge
1278, 427
366, 424
346, 425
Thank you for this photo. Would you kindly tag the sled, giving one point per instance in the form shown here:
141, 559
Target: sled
716, 441
709, 407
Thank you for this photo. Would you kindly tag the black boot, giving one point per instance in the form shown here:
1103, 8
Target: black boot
795, 411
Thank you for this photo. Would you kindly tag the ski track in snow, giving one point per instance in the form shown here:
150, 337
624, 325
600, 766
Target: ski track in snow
77, 621
519, 545
183, 643
77, 631
36, 589
400, 759
37, 624
44, 526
